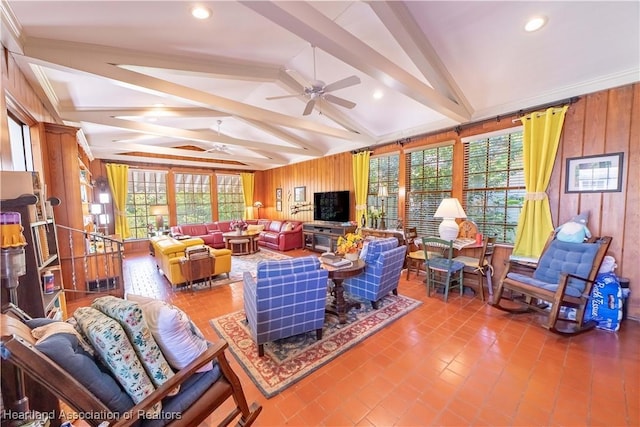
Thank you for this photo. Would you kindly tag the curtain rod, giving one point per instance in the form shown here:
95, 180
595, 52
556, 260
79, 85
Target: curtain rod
459, 128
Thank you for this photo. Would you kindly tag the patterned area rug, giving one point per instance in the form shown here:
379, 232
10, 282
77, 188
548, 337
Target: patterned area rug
288, 360
240, 264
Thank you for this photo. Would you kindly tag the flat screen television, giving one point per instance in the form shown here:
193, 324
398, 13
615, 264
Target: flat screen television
331, 206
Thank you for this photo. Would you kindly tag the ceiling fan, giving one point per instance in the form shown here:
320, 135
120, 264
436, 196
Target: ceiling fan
318, 90
219, 148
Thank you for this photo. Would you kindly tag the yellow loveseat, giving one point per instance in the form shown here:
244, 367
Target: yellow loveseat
168, 253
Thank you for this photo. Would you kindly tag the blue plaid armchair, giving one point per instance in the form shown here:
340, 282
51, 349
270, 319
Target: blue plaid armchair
286, 298
384, 260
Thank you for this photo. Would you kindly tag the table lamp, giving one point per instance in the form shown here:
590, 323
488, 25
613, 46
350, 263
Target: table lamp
159, 211
382, 193
449, 210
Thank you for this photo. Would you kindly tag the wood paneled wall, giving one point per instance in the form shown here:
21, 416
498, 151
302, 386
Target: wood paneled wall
603, 122
331, 173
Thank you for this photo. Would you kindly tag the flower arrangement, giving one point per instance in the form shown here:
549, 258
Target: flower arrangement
238, 224
350, 243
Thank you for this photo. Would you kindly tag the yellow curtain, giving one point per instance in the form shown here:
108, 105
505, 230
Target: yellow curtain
361, 182
541, 135
247, 194
118, 177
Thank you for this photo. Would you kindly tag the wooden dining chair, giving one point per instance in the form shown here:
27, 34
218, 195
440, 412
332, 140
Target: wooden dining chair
442, 270
481, 266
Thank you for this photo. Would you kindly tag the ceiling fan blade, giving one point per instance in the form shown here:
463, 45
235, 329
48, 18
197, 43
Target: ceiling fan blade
271, 98
340, 101
341, 84
298, 78
309, 108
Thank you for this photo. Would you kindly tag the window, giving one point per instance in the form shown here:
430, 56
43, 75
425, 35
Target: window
146, 188
193, 198
20, 140
230, 199
383, 171
494, 188
429, 180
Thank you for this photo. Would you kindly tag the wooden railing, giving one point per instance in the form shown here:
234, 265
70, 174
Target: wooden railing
93, 264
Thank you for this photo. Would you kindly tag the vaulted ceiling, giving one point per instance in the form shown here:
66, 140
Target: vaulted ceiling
145, 81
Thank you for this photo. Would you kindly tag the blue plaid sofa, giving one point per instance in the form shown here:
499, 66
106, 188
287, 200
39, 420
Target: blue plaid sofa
385, 260
286, 298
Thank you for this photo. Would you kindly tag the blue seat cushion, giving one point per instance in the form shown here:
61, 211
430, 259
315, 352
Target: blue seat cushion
565, 257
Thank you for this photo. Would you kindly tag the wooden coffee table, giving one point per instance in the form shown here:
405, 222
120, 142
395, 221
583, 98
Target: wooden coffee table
241, 244
341, 306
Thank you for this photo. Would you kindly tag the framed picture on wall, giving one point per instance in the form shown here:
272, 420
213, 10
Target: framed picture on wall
300, 194
278, 193
279, 205
594, 174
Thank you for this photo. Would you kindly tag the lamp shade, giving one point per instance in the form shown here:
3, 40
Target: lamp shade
95, 209
382, 191
159, 210
449, 210
257, 204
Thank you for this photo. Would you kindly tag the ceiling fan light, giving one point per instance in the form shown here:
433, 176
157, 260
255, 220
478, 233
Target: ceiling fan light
535, 23
200, 12
378, 94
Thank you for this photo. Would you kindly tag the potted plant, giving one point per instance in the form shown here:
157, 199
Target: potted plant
238, 225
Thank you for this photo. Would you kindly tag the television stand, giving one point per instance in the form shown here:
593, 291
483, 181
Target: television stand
323, 236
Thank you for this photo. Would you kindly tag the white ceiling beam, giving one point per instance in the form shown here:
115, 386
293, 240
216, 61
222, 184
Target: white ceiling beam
207, 136
170, 151
395, 16
306, 22
94, 60
108, 155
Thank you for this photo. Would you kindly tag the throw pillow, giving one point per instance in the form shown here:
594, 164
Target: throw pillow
288, 227
130, 317
113, 346
64, 349
256, 227
179, 339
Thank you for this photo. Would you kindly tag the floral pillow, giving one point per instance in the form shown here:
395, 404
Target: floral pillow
130, 317
179, 339
113, 346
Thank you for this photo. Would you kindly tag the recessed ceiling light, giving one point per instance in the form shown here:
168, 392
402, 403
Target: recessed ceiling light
200, 12
535, 23
378, 94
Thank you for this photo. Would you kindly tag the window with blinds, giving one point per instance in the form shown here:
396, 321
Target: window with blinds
230, 199
494, 186
146, 188
383, 171
429, 180
193, 198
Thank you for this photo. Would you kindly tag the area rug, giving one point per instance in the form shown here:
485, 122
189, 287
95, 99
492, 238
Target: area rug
240, 264
288, 360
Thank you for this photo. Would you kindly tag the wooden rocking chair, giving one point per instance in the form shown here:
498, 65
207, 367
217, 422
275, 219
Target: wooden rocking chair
563, 278
19, 351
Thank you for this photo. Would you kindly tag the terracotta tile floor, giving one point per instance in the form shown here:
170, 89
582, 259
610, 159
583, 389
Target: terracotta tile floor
457, 364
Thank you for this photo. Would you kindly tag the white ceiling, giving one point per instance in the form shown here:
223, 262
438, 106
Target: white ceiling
105, 65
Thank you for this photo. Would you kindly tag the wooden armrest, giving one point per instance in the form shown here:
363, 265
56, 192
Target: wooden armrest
214, 351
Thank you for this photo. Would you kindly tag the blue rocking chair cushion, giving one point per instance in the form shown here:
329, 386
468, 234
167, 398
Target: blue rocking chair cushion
562, 257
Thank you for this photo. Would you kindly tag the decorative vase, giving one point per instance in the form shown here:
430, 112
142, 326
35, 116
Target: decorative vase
352, 256
238, 231
363, 221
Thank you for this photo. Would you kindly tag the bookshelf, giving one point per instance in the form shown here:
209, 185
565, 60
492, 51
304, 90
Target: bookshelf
41, 258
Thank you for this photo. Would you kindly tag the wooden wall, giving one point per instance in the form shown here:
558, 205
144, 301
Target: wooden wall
604, 122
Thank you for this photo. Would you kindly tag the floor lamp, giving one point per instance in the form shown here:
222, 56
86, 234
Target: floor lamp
258, 205
382, 193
